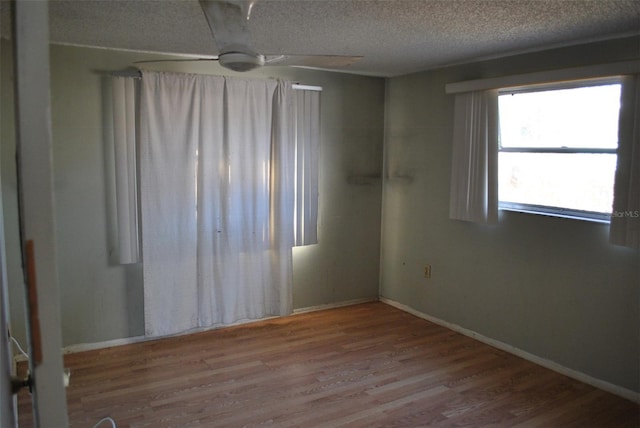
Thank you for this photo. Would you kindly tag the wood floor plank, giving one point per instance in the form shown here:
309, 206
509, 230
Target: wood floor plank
368, 365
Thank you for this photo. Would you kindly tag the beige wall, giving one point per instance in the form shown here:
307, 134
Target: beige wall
552, 287
102, 300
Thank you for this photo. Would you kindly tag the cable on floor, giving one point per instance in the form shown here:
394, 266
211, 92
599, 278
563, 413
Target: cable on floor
107, 419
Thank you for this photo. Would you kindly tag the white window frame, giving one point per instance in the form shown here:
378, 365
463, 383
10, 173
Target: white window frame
552, 210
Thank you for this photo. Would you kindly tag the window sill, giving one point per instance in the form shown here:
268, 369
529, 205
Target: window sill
593, 217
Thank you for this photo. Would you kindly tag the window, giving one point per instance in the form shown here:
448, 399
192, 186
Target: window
557, 149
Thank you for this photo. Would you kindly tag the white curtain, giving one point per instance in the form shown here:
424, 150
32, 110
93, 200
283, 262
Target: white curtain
217, 200
307, 138
625, 219
474, 170
124, 135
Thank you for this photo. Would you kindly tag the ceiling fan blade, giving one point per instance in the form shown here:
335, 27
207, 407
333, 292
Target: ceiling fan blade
315, 61
228, 21
150, 61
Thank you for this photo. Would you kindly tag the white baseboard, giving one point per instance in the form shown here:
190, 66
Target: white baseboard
574, 374
334, 305
83, 347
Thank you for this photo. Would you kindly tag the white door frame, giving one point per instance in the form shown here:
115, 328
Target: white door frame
35, 175
7, 402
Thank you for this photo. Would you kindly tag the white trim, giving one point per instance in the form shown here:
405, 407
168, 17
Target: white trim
551, 365
564, 84
334, 305
565, 74
37, 208
593, 217
83, 347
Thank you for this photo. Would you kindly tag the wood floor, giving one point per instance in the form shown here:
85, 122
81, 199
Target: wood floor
367, 365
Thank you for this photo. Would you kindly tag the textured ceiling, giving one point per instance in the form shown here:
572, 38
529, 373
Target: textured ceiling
394, 36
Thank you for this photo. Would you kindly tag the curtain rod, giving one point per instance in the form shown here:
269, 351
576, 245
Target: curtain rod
306, 87
137, 74
134, 74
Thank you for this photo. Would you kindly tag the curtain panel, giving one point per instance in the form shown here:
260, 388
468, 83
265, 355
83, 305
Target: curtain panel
307, 144
123, 92
217, 200
625, 217
474, 170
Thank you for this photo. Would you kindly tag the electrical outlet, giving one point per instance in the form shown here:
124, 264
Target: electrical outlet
427, 271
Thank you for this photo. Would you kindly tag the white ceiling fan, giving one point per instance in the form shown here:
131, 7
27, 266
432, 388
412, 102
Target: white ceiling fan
229, 24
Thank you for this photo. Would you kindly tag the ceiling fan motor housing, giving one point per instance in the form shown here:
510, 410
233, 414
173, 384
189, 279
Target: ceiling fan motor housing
240, 61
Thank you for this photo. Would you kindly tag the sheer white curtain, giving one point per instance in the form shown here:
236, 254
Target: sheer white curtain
474, 169
307, 138
124, 136
217, 204
625, 220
